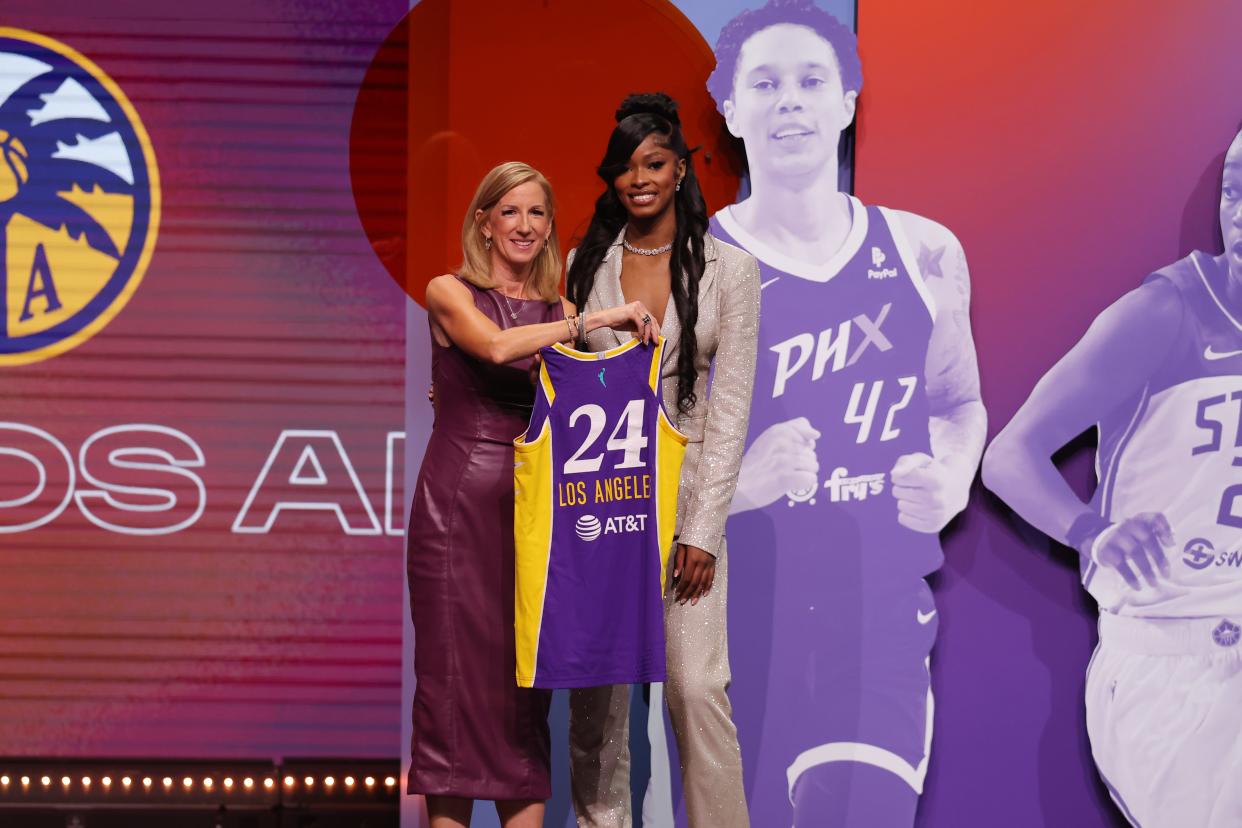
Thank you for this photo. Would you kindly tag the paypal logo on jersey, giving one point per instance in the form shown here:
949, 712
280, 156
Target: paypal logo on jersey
832, 343
878, 271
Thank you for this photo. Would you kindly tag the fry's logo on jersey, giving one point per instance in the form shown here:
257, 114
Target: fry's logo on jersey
79, 198
842, 488
832, 343
589, 527
879, 271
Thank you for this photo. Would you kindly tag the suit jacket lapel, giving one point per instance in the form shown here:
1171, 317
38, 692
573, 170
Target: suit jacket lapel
672, 325
611, 295
609, 288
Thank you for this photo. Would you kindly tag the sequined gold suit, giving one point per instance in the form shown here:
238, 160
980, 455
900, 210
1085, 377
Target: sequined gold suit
698, 655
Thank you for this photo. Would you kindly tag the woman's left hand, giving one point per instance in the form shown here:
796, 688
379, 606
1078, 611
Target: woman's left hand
693, 573
535, 364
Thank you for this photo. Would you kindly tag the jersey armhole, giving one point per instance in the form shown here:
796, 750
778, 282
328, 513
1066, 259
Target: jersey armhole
908, 259
653, 384
539, 416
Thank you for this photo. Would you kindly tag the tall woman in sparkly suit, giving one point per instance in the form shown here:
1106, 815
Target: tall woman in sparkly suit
477, 735
648, 241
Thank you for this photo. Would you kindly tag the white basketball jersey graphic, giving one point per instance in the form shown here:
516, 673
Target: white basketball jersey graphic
1177, 449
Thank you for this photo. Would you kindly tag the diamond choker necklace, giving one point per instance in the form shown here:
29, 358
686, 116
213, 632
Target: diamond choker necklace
646, 251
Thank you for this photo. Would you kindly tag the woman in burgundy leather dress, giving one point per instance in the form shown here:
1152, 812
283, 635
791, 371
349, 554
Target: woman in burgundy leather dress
477, 735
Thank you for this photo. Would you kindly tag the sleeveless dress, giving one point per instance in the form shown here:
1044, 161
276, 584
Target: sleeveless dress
476, 733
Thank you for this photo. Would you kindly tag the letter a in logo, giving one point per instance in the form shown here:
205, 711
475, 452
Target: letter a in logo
79, 198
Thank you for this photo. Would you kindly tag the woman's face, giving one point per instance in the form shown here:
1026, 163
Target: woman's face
649, 183
518, 225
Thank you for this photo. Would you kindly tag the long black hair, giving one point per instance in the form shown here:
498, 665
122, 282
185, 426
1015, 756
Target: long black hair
637, 117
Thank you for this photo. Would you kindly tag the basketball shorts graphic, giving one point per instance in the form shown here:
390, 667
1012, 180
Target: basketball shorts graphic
868, 681
1164, 713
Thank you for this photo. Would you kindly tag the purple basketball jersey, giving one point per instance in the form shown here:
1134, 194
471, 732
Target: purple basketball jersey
844, 345
596, 485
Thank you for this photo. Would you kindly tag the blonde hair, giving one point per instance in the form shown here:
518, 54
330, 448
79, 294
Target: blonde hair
475, 267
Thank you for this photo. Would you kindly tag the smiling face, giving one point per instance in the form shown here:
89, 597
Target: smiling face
1231, 208
788, 104
518, 225
649, 183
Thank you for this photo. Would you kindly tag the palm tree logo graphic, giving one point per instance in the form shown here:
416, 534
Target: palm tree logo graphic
79, 198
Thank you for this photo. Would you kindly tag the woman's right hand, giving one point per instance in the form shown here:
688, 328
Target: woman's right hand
633, 317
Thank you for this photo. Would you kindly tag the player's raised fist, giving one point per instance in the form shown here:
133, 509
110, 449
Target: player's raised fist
927, 494
781, 459
1134, 547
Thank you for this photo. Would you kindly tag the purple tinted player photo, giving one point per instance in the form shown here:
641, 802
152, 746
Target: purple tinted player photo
1159, 374
865, 433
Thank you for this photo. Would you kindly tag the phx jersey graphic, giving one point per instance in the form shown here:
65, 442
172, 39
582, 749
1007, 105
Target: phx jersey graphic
593, 520
79, 198
844, 346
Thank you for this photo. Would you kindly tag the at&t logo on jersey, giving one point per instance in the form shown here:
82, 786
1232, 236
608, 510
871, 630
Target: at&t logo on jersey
79, 198
589, 527
878, 270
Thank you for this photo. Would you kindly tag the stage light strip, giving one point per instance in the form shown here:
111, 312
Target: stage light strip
209, 783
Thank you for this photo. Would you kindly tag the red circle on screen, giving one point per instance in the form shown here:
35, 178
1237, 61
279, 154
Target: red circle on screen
461, 86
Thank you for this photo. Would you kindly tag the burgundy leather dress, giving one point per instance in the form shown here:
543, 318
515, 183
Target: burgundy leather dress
476, 733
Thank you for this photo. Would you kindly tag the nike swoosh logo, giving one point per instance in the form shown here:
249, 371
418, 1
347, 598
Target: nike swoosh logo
925, 617
762, 285
1209, 354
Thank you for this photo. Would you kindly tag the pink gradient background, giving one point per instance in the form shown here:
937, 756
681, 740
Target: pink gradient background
1073, 148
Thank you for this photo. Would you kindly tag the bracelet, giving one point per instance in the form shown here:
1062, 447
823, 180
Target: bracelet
1084, 530
1094, 546
582, 332
569, 323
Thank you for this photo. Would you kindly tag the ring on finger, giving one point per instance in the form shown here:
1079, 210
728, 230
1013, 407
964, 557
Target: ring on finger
646, 319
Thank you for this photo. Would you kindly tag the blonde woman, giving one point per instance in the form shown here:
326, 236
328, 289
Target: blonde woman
477, 735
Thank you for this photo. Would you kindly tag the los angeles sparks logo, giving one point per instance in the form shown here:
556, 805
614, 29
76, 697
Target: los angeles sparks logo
79, 198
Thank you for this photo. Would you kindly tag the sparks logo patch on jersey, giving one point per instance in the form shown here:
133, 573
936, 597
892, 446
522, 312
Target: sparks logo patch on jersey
79, 198
1227, 633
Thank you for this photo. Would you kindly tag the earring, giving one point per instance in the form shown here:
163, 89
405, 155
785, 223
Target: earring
679, 186
487, 242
